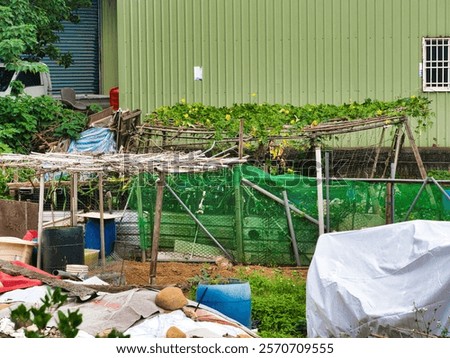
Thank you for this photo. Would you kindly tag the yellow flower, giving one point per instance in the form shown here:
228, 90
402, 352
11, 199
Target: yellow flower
314, 123
379, 112
183, 100
186, 115
227, 117
253, 94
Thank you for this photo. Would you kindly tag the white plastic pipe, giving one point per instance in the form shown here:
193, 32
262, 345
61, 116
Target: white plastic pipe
320, 191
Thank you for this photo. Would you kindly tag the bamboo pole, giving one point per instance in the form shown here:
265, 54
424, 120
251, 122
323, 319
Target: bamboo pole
102, 219
319, 190
419, 161
141, 223
74, 199
41, 220
415, 150
239, 217
373, 196
327, 190
291, 229
278, 200
198, 222
160, 183
416, 198
241, 139
377, 153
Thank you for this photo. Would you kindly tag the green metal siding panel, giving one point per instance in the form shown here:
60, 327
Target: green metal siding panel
278, 51
109, 49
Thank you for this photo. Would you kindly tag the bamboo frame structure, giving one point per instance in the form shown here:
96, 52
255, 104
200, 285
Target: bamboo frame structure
125, 164
159, 157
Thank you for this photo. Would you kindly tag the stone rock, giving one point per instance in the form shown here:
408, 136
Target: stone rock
223, 263
175, 332
171, 298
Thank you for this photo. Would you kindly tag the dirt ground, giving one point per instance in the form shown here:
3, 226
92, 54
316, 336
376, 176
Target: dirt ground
181, 274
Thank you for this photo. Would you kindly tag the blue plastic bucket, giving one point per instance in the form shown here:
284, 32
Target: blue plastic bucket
233, 299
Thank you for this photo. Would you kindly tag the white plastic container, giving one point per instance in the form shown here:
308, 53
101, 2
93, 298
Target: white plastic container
78, 270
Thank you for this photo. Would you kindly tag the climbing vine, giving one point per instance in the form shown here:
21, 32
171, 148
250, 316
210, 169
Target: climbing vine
264, 120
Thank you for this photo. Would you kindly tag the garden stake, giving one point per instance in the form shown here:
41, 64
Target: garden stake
201, 299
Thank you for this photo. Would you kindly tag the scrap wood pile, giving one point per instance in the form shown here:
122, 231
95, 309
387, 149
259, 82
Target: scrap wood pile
122, 123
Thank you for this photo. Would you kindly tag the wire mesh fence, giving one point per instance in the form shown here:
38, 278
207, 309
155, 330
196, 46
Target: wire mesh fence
240, 213
218, 214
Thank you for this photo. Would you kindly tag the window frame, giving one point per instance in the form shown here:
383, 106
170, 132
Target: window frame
440, 67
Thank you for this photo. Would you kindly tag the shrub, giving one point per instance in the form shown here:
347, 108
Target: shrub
278, 305
23, 118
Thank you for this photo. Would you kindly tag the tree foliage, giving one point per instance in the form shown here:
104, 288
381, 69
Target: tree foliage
29, 31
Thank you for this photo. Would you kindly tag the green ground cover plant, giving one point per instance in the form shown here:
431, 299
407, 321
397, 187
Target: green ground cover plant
278, 305
35, 320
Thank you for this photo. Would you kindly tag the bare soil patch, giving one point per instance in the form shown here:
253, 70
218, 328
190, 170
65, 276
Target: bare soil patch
180, 274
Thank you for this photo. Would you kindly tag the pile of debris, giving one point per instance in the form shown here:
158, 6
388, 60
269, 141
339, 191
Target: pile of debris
143, 312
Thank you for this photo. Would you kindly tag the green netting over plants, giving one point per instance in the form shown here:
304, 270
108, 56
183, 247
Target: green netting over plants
243, 222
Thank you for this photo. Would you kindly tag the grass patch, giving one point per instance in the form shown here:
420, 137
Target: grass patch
278, 305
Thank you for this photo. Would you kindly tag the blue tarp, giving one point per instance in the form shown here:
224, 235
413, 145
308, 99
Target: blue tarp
94, 140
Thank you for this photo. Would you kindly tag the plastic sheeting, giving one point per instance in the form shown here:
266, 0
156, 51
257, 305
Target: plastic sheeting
94, 140
133, 312
368, 281
12, 283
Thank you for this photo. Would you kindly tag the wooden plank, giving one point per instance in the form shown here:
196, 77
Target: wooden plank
78, 290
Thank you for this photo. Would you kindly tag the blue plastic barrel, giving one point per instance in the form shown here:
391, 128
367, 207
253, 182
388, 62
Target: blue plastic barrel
92, 235
233, 299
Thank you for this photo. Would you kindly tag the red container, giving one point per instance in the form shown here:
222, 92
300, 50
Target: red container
114, 98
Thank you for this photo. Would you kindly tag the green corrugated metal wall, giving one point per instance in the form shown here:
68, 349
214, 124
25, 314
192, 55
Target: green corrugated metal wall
278, 51
109, 46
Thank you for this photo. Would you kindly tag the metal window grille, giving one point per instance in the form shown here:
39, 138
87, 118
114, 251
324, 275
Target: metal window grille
436, 64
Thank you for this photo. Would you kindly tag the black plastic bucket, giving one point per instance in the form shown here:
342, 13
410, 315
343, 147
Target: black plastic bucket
62, 246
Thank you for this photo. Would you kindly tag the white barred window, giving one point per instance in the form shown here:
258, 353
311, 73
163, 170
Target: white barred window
436, 64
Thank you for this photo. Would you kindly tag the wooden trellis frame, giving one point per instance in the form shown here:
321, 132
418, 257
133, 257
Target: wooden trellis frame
163, 162
153, 138
126, 164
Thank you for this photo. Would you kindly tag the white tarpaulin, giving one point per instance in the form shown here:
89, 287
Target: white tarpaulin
367, 281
